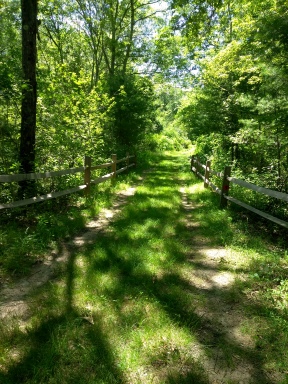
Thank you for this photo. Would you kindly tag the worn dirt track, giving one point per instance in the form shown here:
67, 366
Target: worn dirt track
227, 318
14, 297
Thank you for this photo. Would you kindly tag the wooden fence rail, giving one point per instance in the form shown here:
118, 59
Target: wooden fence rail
196, 166
87, 170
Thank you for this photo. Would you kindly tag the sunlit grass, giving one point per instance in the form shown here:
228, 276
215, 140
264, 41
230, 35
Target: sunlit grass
126, 308
37, 229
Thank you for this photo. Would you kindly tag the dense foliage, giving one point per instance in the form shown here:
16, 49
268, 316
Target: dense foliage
90, 99
237, 109
241, 91
124, 75
145, 76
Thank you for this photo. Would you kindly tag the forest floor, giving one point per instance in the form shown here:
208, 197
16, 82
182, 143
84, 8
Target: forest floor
188, 317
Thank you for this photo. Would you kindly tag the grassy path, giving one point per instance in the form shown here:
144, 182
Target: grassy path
153, 295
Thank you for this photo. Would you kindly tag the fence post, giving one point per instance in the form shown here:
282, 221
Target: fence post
87, 174
114, 167
207, 174
225, 187
197, 166
192, 162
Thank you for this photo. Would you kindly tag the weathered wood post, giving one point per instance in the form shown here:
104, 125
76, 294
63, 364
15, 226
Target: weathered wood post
114, 168
197, 166
207, 174
192, 162
87, 174
225, 187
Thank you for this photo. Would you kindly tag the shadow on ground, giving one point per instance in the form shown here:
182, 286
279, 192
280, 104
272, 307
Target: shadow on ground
124, 310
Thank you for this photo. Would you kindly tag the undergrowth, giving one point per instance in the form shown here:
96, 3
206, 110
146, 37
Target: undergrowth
27, 234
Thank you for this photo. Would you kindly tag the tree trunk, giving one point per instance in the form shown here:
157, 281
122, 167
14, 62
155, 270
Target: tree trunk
29, 93
130, 38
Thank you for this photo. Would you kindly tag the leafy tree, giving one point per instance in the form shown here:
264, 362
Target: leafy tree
241, 92
133, 111
10, 84
29, 89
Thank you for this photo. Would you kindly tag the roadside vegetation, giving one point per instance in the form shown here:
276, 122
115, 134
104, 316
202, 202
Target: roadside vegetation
37, 229
127, 309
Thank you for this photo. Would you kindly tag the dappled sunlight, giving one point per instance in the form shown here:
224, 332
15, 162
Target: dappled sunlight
140, 299
223, 279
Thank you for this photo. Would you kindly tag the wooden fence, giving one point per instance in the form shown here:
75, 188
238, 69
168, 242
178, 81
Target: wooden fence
204, 172
86, 170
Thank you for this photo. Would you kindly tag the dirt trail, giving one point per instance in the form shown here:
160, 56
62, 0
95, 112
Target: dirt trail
14, 297
226, 319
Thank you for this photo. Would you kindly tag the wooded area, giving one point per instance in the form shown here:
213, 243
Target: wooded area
237, 108
116, 75
144, 280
